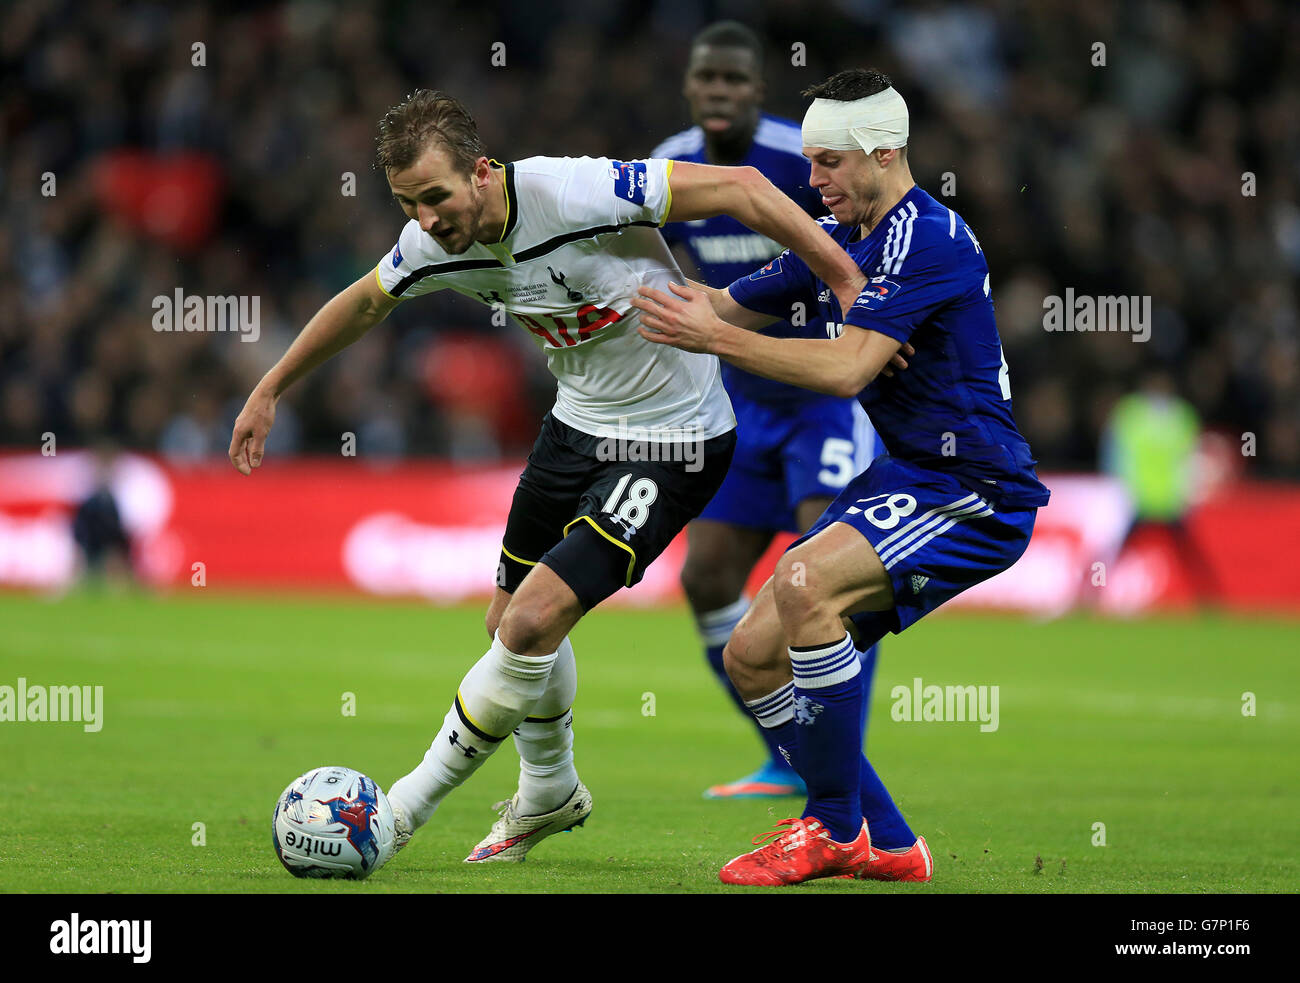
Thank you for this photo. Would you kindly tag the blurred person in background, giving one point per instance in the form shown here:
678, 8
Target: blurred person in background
97, 527
795, 449
1149, 445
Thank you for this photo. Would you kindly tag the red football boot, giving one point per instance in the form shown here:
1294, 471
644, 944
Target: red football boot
801, 853
914, 865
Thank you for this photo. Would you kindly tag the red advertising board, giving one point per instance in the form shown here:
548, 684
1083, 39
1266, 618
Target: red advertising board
427, 529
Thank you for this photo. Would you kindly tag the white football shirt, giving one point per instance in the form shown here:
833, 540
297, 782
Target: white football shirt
581, 235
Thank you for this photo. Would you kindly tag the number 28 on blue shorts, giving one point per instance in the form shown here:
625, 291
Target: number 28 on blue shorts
935, 536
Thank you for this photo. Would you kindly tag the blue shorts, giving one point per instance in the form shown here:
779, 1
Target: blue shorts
935, 536
786, 454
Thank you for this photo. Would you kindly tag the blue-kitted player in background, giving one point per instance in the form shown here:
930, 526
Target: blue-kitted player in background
796, 449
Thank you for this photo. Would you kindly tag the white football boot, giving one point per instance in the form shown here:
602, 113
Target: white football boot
401, 827
512, 836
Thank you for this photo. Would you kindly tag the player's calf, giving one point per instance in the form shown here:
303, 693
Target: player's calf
492, 620
756, 658
544, 740
494, 697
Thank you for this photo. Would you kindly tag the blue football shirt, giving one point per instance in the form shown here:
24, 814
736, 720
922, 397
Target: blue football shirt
724, 250
950, 410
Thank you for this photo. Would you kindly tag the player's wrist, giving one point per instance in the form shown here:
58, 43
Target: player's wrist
726, 339
270, 387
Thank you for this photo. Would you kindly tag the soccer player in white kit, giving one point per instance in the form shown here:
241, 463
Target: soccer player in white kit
637, 442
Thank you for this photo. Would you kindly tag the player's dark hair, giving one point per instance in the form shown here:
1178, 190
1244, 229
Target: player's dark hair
850, 84
407, 128
730, 34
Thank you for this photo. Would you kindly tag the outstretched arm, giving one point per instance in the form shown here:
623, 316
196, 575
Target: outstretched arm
703, 190
347, 316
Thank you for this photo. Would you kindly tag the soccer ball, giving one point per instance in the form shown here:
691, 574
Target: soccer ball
333, 822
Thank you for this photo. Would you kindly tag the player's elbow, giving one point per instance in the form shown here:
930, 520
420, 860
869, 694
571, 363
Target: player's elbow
748, 186
851, 382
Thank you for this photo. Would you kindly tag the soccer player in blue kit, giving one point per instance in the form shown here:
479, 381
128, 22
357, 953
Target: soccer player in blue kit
951, 504
796, 449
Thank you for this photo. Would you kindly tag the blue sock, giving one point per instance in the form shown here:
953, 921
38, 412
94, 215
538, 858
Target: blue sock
828, 717
715, 628
714, 654
868, 660
889, 830
775, 715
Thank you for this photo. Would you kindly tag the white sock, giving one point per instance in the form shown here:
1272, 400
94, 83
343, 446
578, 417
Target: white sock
715, 627
775, 709
544, 741
493, 698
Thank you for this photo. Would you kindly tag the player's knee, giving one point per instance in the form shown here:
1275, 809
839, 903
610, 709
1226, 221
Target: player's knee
708, 583
795, 592
693, 580
526, 627
534, 624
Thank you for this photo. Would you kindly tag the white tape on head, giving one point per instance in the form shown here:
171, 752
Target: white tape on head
877, 122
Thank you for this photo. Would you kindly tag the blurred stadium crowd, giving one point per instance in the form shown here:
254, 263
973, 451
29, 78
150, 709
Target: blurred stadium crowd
229, 178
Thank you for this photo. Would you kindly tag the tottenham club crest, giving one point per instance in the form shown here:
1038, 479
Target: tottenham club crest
558, 279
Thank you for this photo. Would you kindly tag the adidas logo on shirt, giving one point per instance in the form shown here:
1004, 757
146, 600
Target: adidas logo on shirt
919, 582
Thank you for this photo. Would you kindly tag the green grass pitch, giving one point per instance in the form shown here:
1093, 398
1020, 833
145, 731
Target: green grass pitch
213, 703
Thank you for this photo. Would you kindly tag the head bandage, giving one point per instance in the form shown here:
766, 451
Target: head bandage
877, 122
